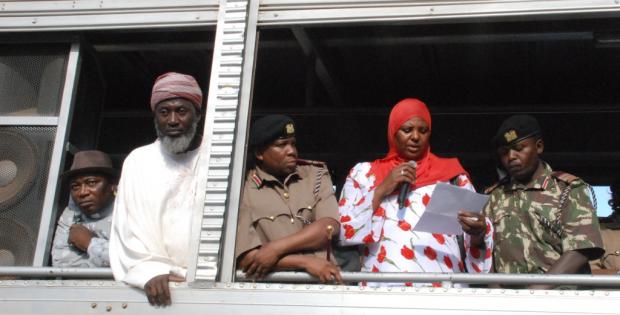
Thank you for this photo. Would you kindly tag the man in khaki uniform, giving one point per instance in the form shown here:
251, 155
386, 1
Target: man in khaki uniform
544, 220
288, 211
610, 231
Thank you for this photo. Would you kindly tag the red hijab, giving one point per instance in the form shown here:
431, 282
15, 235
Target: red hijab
430, 169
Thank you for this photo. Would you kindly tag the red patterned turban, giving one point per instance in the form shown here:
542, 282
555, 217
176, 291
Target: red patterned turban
172, 85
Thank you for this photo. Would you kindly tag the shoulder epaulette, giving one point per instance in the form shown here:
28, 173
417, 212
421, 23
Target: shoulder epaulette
310, 162
565, 177
568, 179
322, 170
494, 186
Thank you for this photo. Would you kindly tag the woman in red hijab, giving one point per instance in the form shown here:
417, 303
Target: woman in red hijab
370, 213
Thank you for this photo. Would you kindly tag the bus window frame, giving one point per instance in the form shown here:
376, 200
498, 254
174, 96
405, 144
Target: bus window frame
262, 15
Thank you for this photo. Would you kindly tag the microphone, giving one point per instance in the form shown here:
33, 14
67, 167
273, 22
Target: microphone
404, 189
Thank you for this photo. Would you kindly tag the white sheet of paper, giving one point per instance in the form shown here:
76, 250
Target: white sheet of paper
443, 208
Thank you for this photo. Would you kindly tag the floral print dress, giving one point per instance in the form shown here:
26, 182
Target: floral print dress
390, 241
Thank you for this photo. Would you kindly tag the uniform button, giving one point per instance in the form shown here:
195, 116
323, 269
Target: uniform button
285, 195
272, 218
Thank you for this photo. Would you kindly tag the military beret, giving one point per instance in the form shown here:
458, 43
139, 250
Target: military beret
271, 127
515, 129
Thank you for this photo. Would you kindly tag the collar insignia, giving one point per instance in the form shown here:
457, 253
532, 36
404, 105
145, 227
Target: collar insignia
257, 181
510, 135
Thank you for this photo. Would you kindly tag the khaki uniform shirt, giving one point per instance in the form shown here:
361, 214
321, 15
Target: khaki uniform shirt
533, 229
610, 231
272, 210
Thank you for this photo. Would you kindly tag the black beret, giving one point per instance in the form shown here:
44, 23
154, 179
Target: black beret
515, 129
269, 128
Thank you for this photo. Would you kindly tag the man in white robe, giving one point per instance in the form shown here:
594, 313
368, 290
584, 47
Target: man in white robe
150, 241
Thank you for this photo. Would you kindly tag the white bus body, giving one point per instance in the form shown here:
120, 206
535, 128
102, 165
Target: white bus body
212, 287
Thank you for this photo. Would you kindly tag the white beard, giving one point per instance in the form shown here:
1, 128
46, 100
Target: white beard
180, 144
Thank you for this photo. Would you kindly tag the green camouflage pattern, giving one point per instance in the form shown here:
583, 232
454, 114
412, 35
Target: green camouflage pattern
532, 230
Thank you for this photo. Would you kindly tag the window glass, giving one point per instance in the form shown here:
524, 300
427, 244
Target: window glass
603, 195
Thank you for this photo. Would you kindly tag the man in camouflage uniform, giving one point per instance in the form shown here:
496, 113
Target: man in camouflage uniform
544, 220
288, 210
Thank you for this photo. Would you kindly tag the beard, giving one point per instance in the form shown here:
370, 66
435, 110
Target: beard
180, 144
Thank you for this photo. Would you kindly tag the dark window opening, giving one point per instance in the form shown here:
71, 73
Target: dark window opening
112, 103
339, 83
112, 111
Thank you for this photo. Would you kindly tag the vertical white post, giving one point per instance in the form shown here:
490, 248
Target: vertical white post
48, 215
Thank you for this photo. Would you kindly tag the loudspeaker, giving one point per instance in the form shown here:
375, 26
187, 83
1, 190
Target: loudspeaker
31, 80
30, 84
25, 154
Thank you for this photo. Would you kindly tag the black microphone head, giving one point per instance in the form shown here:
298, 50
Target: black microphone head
404, 189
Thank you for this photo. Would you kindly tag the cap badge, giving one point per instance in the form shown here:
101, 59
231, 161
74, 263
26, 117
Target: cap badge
510, 135
290, 129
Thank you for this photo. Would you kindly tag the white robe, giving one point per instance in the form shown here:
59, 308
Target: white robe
151, 227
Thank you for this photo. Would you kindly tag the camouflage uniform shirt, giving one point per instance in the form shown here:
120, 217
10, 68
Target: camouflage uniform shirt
532, 229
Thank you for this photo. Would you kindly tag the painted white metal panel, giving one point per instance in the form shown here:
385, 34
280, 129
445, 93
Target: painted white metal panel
219, 131
227, 260
106, 297
64, 5
229, 101
105, 14
48, 214
29, 120
283, 12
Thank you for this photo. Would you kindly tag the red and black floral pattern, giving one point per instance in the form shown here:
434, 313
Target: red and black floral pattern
390, 241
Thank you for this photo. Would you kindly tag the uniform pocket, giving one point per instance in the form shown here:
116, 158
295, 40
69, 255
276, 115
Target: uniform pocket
499, 220
305, 215
275, 216
498, 217
549, 227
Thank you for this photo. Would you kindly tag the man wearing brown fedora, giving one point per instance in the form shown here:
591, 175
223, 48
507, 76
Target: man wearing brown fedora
83, 232
150, 241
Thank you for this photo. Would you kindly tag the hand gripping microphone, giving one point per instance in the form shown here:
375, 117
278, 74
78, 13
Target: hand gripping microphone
404, 189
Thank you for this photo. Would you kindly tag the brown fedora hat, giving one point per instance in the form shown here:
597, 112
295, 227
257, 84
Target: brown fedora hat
93, 161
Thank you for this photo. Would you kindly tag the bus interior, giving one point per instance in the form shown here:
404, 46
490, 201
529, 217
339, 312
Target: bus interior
339, 82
